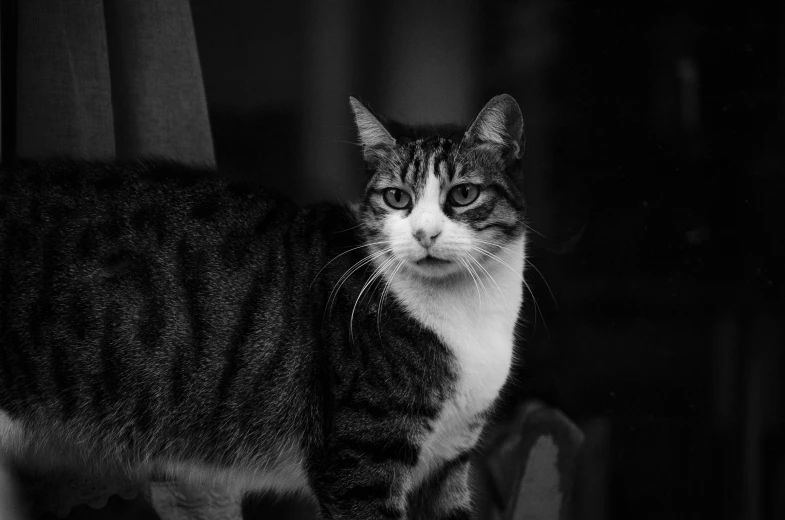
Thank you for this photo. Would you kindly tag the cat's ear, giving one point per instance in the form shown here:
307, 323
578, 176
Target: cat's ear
499, 124
375, 138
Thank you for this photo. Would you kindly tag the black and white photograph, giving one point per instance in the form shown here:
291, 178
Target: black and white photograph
392, 260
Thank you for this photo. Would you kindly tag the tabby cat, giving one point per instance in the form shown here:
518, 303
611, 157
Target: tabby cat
159, 319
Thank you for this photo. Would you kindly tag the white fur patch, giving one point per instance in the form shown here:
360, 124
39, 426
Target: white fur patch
479, 330
476, 323
284, 474
427, 216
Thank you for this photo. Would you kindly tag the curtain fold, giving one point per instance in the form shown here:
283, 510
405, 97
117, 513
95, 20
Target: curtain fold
158, 95
63, 104
110, 79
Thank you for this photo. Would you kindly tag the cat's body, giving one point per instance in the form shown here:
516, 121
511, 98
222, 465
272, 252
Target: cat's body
155, 319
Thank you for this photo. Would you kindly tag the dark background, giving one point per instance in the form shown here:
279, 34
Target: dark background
655, 182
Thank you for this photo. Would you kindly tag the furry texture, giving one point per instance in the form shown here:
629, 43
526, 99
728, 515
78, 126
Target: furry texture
155, 318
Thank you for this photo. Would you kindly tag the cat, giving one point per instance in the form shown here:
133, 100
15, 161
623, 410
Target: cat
157, 319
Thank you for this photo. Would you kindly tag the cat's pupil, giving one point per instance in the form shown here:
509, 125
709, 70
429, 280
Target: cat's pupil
397, 195
465, 192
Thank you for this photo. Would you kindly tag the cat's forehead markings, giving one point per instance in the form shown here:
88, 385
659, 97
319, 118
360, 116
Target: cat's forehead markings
424, 156
408, 171
444, 173
424, 169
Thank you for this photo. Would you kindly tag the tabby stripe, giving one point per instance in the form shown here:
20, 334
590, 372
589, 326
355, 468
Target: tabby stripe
388, 511
110, 362
462, 458
456, 514
179, 368
504, 226
25, 376
153, 317
42, 313
377, 209
63, 375
392, 407
199, 307
416, 167
269, 219
243, 330
440, 158
143, 410
383, 449
403, 172
270, 375
365, 491
406, 366
503, 191
11, 342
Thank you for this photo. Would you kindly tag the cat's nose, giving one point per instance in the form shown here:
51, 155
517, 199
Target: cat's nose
426, 237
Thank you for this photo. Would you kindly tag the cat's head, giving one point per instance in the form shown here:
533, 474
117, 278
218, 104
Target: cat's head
440, 201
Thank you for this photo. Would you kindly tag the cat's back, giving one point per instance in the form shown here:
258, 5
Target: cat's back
64, 193
84, 210
149, 295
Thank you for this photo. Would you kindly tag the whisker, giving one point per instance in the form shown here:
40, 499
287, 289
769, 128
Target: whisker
479, 278
534, 299
527, 226
381, 242
349, 272
491, 277
543, 279
384, 294
359, 145
491, 255
539, 310
500, 246
474, 279
374, 276
365, 263
353, 227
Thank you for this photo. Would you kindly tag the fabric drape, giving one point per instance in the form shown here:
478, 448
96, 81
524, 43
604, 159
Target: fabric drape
108, 79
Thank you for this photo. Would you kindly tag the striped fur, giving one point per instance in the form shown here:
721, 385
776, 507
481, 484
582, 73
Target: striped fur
160, 319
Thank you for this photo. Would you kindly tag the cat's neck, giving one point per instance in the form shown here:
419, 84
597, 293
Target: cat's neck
475, 317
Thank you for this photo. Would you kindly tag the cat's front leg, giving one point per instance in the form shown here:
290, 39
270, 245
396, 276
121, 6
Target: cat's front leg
349, 487
446, 495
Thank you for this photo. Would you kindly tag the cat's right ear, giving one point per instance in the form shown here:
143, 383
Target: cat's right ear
499, 125
374, 137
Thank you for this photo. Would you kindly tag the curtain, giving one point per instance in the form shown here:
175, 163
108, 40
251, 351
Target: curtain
103, 79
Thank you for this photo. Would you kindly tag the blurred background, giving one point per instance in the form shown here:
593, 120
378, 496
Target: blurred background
655, 187
655, 183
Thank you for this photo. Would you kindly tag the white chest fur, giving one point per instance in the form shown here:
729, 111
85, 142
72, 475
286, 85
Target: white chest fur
477, 324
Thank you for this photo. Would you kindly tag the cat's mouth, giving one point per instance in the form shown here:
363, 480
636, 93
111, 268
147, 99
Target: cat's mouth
432, 261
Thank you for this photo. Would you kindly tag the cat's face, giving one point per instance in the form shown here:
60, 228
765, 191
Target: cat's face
438, 205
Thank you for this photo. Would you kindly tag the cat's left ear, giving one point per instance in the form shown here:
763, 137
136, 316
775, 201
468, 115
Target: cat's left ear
499, 124
375, 138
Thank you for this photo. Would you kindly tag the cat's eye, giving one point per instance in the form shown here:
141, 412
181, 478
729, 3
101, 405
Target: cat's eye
464, 194
396, 198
